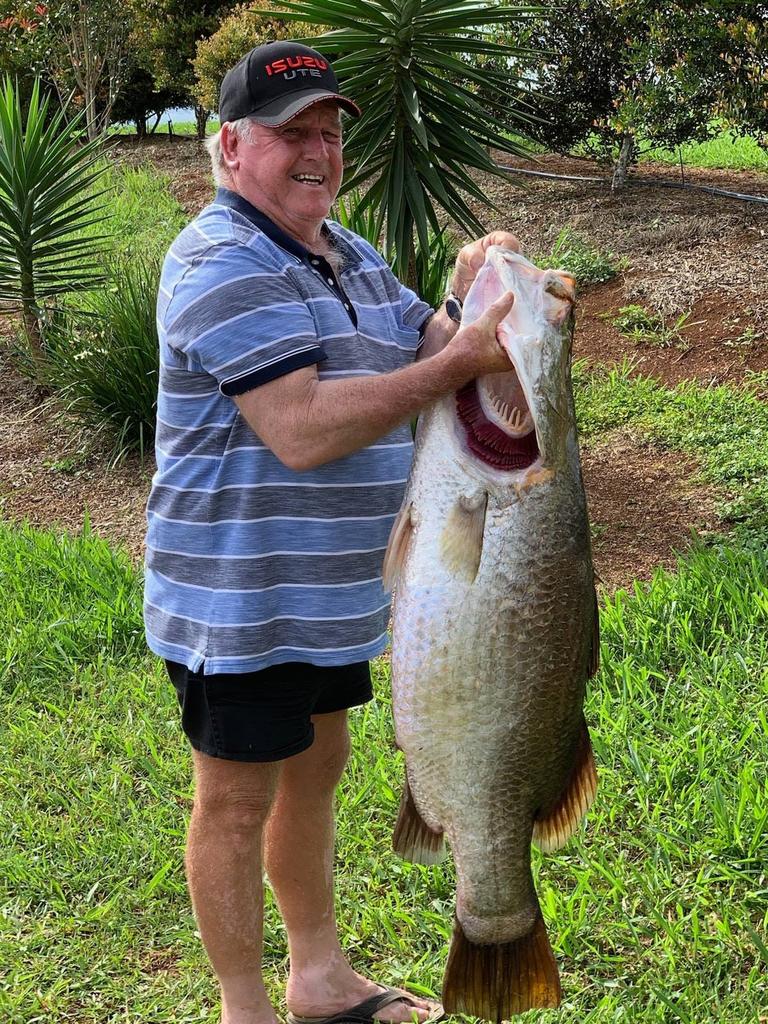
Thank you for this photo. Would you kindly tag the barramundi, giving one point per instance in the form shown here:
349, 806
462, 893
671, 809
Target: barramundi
495, 634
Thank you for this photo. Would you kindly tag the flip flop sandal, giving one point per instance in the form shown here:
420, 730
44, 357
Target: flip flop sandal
363, 1013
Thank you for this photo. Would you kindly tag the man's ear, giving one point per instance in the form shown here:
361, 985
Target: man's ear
229, 147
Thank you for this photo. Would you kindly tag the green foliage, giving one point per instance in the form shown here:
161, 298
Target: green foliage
656, 909
47, 207
433, 265
725, 427
657, 71
574, 253
642, 325
249, 25
421, 131
102, 357
727, 150
66, 601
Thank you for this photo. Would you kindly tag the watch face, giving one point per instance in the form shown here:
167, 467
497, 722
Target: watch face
453, 308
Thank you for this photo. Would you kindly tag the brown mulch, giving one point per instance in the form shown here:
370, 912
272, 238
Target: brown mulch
684, 252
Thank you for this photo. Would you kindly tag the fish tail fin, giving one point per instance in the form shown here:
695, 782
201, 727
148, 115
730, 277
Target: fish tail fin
413, 839
555, 827
495, 981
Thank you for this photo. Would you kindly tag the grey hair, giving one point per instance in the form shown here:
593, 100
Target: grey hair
242, 129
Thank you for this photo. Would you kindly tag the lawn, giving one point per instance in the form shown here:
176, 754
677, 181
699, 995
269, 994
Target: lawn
656, 910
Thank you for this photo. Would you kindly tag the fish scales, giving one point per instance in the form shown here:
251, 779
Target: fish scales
493, 641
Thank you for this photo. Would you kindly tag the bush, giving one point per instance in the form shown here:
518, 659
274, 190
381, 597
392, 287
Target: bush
575, 254
102, 357
240, 32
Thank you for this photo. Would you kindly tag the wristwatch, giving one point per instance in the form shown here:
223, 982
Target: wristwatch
454, 307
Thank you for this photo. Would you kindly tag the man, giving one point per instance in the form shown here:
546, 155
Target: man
291, 363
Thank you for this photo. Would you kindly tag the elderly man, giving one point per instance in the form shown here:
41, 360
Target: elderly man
291, 363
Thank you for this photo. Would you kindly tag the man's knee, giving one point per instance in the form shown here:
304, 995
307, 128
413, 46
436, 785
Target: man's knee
233, 798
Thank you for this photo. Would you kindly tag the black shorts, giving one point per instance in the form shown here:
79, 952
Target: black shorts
264, 716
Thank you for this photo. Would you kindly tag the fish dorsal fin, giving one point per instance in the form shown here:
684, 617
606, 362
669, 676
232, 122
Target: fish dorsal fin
397, 548
555, 826
461, 544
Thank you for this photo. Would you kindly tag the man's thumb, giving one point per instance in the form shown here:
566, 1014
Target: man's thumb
499, 309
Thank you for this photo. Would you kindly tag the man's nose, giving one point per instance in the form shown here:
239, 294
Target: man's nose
315, 144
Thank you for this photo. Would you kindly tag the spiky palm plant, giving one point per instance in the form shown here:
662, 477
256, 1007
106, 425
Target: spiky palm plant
413, 67
47, 207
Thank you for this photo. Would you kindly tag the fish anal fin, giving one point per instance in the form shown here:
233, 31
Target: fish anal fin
594, 655
413, 839
495, 981
553, 828
461, 543
397, 548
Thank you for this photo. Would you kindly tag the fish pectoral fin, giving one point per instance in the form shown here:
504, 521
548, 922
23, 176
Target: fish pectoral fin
461, 544
554, 828
413, 839
397, 548
495, 981
594, 655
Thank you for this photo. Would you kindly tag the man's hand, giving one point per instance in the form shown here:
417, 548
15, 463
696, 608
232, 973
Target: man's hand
477, 349
472, 256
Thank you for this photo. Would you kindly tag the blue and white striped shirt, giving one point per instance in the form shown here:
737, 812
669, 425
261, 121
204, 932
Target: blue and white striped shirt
249, 563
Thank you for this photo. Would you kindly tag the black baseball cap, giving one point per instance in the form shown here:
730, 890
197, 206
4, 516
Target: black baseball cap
275, 82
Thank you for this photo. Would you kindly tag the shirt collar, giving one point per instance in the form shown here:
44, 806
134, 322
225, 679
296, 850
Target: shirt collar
226, 197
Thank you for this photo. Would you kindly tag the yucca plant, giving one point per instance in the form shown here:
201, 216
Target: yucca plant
412, 67
46, 203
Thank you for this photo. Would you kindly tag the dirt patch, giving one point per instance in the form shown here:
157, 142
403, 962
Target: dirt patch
53, 474
719, 343
643, 504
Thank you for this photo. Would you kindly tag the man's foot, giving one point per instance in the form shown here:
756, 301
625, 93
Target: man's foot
350, 996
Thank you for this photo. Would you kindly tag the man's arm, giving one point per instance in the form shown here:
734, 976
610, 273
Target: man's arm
439, 331
307, 422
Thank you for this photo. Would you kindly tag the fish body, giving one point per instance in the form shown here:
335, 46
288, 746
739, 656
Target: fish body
494, 638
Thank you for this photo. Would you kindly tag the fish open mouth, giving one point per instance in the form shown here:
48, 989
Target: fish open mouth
497, 423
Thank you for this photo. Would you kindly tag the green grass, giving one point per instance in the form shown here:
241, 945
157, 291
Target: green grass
656, 910
642, 325
140, 214
727, 150
725, 427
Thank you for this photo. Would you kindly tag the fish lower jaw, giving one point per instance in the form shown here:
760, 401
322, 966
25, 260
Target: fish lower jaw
506, 439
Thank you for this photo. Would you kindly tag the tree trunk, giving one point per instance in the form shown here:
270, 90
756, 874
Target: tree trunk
622, 164
201, 120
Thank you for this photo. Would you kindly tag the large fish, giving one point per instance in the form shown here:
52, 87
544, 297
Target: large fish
494, 637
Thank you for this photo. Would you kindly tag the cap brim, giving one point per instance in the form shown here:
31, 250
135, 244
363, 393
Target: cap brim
278, 112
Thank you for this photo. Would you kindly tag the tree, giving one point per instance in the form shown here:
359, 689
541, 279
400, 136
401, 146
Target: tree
47, 209
89, 55
660, 71
24, 42
168, 32
422, 130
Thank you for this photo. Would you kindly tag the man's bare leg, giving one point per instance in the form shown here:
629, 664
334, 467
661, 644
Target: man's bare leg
299, 853
224, 871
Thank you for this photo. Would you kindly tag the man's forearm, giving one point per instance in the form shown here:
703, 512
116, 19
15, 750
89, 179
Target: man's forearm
358, 411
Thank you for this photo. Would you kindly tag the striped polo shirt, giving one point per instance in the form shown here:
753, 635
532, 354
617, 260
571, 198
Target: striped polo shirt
249, 563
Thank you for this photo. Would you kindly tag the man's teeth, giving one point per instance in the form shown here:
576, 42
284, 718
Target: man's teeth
313, 179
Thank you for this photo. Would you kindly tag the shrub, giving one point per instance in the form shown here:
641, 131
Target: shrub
641, 325
574, 253
103, 356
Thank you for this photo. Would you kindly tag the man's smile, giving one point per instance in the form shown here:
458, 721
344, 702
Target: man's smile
309, 179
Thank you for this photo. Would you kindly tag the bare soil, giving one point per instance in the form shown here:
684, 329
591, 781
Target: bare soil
685, 252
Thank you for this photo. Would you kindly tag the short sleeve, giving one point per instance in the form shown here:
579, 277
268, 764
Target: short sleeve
240, 319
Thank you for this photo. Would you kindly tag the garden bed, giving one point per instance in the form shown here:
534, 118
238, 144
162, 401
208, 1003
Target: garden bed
682, 253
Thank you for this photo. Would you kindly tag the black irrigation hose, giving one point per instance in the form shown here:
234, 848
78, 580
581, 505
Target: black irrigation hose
638, 181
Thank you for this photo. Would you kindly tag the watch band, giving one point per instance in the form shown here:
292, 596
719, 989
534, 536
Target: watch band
454, 307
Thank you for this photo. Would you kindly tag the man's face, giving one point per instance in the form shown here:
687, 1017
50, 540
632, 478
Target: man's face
296, 168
